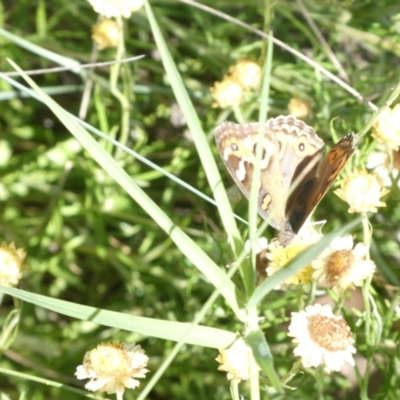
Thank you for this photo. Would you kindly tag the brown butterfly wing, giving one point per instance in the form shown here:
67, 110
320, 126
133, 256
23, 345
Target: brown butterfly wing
237, 147
317, 182
287, 143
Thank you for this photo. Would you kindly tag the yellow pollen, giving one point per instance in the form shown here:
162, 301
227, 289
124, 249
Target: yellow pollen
330, 333
338, 265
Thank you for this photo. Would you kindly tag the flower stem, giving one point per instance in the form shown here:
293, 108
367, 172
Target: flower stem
252, 325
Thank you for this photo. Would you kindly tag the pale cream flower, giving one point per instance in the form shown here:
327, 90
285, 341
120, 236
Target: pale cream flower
279, 255
116, 8
377, 163
227, 93
299, 108
106, 34
387, 127
111, 367
11, 264
384, 164
362, 191
322, 338
247, 74
235, 361
341, 266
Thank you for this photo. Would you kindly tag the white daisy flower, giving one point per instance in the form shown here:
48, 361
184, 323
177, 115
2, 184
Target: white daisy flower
111, 367
341, 266
386, 128
362, 191
322, 338
377, 162
235, 361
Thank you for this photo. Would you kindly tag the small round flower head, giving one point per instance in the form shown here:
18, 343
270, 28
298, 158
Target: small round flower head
387, 127
11, 264
299, 108
385, 165
362, 191
227, 93
377, 162
116, 8
247, 74
322, 338
341, 267
235, 361
279, 255
106, 34
111, 367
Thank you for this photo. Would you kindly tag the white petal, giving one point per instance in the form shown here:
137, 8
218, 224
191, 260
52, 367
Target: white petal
315, 358
311, 355
333, 363
319, 309
362, 270
96, 384
360, 251
131, 383
342, 243
81, 372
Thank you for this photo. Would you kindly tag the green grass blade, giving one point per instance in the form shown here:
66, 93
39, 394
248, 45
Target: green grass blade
40, 51
26, 93
263, 356
294, 266
256, 179
188, 247
196, 130
168, 330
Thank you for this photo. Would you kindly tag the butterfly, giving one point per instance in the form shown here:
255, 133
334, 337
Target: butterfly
295, 173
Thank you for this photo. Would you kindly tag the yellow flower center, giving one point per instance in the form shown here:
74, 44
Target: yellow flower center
330, 333
109, 361
282, 255
338, 265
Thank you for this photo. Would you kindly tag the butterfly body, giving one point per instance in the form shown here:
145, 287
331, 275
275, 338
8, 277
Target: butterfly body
295, 174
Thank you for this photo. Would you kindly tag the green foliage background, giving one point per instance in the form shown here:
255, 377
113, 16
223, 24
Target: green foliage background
89, 243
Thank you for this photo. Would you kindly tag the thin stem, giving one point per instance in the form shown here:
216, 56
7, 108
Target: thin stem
252, 325
114, 75
370, 340
235, 390
367, 232
238, 115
